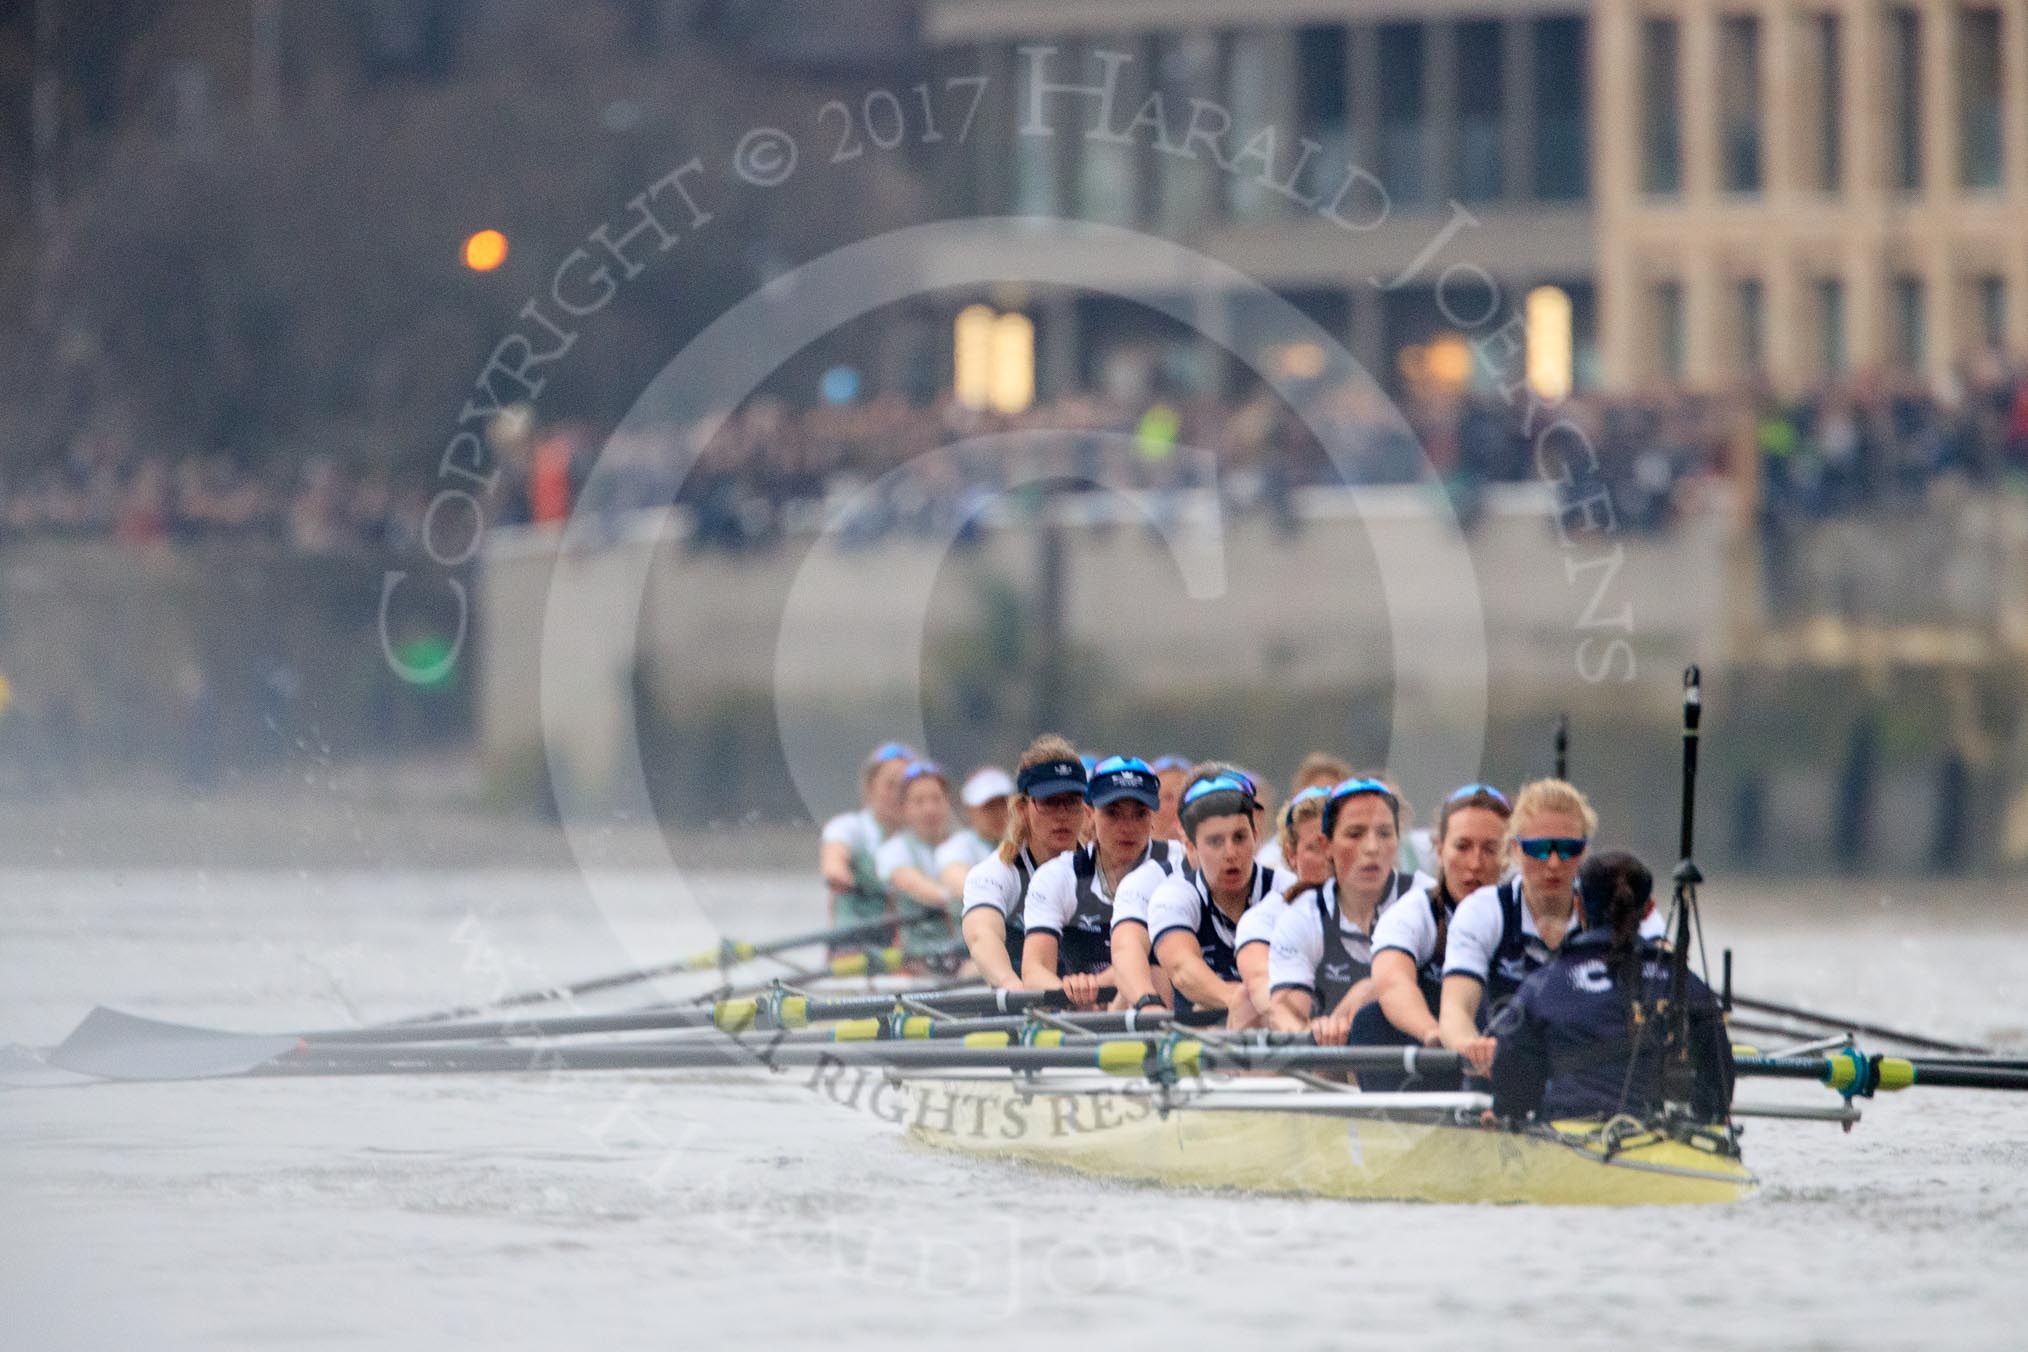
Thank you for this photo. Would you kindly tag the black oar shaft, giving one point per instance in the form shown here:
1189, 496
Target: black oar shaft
1834, 1022
1131, 1057
1852, 1073
725, 955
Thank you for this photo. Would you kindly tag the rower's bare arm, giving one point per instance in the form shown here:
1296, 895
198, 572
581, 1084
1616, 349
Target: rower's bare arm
1289, 1010
1038, 963
1131, 973
985, 933
1400, 996
1253, 974
1353, 1000
834, 861
1459, 1022
1183, 960
918, 886
953, 879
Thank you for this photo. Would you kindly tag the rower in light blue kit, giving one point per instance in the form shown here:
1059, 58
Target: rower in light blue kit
906, 862
851, 839
1588, 1035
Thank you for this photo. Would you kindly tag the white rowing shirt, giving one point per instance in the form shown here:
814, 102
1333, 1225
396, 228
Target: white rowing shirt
1052, 892
998, 885
1478, 926
1183, 902
1257, 926
858, 831
1411, 927
965, 847
1297, 950
904, 849
1131, 902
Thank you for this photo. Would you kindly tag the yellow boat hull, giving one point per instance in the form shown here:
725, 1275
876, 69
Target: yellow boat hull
1110, 1134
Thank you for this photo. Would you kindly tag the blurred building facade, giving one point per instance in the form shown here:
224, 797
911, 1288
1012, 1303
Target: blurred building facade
1474, 118
1800, 190
1781, 188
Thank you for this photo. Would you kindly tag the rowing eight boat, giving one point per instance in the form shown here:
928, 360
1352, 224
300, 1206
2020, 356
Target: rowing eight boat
1295, 1141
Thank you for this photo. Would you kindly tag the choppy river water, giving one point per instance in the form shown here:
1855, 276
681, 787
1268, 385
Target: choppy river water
658, 1211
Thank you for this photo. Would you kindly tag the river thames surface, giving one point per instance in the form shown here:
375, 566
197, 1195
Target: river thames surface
676, 1211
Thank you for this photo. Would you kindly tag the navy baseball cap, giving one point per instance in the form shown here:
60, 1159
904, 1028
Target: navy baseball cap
1049, 778
1120, 777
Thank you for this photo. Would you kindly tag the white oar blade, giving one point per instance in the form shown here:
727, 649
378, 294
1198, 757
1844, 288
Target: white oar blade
115, 1046
24, 1068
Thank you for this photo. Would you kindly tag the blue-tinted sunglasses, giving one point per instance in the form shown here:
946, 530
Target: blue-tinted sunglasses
1166, 763
1114, 764
1563, 847
1314, 791
922, 770
894, 751
1468, 790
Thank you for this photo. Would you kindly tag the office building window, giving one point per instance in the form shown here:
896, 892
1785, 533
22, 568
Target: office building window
1993, 312
1752, 326
1739, 102
1979, 107
1831, 349
1481, 103
1911, 324
1404, 147
1830, 100
1108, 174
1904, 73
1561, 79
1323, 105
1661, 107
1670, 332
1036, 158
1248, 83
1186, 187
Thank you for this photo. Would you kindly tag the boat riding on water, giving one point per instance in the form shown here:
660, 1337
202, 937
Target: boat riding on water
1610, 1070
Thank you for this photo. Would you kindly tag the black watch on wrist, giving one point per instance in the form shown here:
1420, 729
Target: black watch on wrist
1149, 999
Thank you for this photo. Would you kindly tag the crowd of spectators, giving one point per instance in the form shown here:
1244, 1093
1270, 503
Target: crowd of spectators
869, 468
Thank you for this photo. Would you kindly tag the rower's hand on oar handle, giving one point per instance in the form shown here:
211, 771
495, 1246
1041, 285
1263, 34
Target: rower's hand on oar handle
1331, 1030
1479, 1054
1082, 990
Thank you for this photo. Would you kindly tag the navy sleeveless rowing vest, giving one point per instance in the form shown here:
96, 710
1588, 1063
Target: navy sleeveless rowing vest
1024, 870
1087, 941
1442, 906
1216, 935
1520, 954
1342, 968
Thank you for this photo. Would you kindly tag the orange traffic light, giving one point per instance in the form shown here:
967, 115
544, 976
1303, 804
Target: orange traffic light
485, 251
